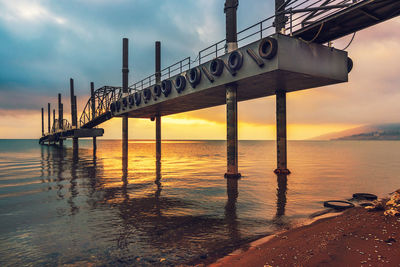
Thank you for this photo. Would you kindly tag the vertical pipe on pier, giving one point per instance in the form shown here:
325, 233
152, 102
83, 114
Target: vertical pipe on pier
48, 117
158, 116
73, 112
60, 116
60, 112
231, 94
125, 71
54, 118
281, 142
93, 107
48, 120
42, 121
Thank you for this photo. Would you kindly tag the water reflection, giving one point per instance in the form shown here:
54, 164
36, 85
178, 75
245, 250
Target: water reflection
281, 200
150, 218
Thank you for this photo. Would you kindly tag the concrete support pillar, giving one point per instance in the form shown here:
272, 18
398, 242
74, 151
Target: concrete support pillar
48, 117
42, 121
93, 108
158, 117
232, 132
73, 112
125, 71
158, 137
281, 143
231, 94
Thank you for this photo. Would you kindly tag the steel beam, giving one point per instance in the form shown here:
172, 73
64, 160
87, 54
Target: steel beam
231, 95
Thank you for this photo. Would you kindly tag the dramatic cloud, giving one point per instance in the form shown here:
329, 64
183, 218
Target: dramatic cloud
44, 43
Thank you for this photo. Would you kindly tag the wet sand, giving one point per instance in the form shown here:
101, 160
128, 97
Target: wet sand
356, 237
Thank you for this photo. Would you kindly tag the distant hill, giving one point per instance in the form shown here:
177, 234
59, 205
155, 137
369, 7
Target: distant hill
390, 131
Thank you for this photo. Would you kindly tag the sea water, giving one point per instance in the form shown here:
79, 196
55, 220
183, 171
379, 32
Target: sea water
60, 207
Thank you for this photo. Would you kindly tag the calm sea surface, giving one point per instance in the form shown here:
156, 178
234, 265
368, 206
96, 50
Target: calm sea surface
57, 207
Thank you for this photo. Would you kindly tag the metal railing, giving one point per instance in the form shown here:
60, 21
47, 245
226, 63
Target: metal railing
298, 14
103, 97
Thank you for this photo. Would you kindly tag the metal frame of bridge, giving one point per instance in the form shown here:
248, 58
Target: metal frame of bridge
299, 28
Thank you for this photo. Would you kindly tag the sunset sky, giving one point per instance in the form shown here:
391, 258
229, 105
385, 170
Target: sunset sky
44, 43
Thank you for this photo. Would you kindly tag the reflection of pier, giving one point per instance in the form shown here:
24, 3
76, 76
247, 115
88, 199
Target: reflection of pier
256, 62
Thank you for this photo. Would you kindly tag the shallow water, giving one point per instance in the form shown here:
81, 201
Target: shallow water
57, 207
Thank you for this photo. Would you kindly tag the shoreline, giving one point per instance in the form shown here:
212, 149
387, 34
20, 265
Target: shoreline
353, 237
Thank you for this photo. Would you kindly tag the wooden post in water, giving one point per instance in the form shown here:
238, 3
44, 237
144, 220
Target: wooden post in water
281, 142
125, 71
54, 118
93, 107
42, 121
158, 116
231, 94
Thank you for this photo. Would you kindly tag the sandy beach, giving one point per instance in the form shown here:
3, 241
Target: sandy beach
356, 237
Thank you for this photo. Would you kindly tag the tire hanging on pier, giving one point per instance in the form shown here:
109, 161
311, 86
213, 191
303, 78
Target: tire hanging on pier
118, 105
138, 98
157, 90
235, 60
268, 48
125, 102
180, 83
131, 100
166, 86
349, 64
194, 76
147, 94
216, 67
113, 107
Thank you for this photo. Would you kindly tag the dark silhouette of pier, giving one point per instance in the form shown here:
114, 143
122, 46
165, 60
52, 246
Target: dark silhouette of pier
286, 52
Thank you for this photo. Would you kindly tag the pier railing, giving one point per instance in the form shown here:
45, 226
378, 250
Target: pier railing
298, 14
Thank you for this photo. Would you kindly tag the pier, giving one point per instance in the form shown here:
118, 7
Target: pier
286, 52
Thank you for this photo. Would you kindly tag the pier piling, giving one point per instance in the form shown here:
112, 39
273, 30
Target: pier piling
93, 108
231, 94
60, 116
158, 117
125, 71
42, 122
73, 112
281, 142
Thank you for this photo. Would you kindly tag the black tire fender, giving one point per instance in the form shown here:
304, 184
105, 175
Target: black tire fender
147, 94
138, 98
338, 204
365, 196
268, 48
216, 67
113, 107
131, 100
180, 83
349, 64
194, 76
166, 86
235, 60
118, 105
157, 90
125, 102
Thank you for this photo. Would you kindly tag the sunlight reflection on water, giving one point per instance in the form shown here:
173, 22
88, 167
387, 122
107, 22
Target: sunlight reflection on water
58, 207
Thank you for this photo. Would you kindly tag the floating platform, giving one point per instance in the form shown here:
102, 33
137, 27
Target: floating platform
296, 65
71, 133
